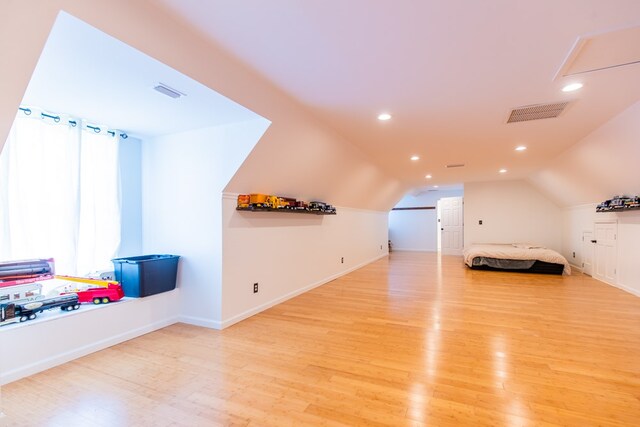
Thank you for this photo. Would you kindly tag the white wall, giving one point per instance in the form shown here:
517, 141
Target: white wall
578, 219
287, 253
183, 178
40, 344
575, 221
417, 230
225, 251
629, 251
511, 211
602, 165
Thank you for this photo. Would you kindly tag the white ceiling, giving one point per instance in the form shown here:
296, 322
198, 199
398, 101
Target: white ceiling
448, 71
88, 74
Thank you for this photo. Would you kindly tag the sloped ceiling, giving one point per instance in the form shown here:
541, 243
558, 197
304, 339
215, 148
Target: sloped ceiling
299, 155
601, 166
448, 71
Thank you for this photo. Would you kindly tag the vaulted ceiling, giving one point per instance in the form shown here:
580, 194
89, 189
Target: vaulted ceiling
449, 72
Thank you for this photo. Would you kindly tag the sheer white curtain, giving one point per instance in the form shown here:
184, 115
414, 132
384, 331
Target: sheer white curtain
59, 195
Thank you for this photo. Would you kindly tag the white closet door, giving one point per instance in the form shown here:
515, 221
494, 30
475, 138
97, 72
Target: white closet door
606, 251
451, 225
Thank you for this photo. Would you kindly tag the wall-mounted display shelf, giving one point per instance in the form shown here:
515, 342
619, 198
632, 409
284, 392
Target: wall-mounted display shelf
270, 203
414, 208
619, 204
633, 208
294, 211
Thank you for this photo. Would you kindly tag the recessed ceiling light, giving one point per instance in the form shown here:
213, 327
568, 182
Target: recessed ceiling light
502, 171
414, 158
571, 87
521, 148
384, 116
435, 186
428, 176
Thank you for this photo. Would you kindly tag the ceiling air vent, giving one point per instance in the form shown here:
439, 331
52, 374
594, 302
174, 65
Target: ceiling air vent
169, 91
537, 112
455, 165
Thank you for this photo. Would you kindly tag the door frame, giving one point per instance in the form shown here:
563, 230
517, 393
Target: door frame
588, 251
595, 274
439, 223
438, 227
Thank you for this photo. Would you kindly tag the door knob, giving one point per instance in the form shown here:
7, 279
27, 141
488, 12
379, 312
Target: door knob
594, 241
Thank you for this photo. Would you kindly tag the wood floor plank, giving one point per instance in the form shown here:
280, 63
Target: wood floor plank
413, 339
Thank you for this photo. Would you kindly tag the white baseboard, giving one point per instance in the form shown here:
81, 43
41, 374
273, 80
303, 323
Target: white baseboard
239, 317
623, 288
575, 267
59, 359
412, 250
632, 291
201, 321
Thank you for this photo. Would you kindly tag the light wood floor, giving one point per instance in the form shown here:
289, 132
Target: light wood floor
408, 340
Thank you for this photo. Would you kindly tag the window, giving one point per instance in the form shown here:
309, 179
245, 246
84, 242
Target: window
59, 192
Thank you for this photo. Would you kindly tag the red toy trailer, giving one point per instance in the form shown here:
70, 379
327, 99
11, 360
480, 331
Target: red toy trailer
100, 295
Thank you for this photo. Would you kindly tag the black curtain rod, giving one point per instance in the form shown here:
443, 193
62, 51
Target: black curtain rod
73, 123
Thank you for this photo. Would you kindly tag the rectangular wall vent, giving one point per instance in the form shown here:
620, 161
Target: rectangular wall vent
536, 112
456, 165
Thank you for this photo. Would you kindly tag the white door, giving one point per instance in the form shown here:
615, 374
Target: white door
451, 225
588, 244
606, 251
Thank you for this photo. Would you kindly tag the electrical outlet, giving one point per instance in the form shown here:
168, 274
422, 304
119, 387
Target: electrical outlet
380, 246
574, 254
480, 222
342, 260
255, 288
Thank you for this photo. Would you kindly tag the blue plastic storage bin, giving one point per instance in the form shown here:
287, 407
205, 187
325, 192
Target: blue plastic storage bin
145, 275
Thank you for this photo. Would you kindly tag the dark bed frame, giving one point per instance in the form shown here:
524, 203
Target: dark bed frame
538, 267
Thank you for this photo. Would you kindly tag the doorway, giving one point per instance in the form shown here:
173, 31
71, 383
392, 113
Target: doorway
450, 221
606, 251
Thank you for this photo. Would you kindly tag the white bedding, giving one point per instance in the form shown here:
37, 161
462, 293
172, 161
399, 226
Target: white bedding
518, 251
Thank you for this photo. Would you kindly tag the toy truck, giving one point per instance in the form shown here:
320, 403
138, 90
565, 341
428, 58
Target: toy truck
286, 203
100, 295
317, 206
258, 200
301, 205
23, 293
244, 200
29, 310
23, 311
